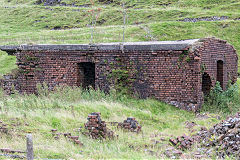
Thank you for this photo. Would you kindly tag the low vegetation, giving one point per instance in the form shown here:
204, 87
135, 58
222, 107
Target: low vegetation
66, 110
223, 102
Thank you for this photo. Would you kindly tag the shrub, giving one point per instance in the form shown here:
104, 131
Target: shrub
223, 101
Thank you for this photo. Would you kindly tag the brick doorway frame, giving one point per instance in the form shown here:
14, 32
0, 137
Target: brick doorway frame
220, 72
206, 83
86, 75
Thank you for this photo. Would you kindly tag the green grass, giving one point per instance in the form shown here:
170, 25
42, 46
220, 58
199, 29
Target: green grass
158, 31
7, 63
38, 115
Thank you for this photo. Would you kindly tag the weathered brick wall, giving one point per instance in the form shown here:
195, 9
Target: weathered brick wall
171, 76
212, 51
9, 84
53, 68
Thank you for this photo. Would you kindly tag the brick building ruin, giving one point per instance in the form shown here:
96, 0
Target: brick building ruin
176, 72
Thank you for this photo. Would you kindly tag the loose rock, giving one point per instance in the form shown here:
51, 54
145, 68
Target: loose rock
130, 124
224, 137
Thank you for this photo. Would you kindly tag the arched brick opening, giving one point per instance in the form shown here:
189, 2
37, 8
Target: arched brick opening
206, 83
220, 72
86, 75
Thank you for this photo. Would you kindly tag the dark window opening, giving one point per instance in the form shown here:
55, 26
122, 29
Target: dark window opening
86, 75
220, 72
206, 84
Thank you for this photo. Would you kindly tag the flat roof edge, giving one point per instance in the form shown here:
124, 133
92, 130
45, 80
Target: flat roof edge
129, 46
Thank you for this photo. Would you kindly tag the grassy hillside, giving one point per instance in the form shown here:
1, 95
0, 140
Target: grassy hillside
38, 115
25, 22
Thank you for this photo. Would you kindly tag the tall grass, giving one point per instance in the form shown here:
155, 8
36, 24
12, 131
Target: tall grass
66, 109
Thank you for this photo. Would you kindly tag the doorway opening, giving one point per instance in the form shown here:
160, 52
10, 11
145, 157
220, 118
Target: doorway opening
220, 72
206, 84
86, 75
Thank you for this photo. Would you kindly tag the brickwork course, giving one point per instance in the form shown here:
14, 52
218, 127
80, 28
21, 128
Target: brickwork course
176, 72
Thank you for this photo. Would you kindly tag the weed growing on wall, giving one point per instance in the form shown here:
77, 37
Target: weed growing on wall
121, 81
203, 68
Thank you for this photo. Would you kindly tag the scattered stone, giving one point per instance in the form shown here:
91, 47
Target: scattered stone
48, 2
223, 137
130, 124
67, 134
106, 1
53, 130
7, 150
202, 116
3, 128
182, 142
213, 18
149, 152
74, 139
190, 125
172, 153
198, 155
60, 3
163, 139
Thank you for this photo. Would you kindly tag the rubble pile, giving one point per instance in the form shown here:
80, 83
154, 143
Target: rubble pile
74, 139
224, 137
130, 124
183, 142
97, 128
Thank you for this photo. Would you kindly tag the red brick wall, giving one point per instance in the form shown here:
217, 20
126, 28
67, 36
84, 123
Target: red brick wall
165, 75
171, 76
214, 50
